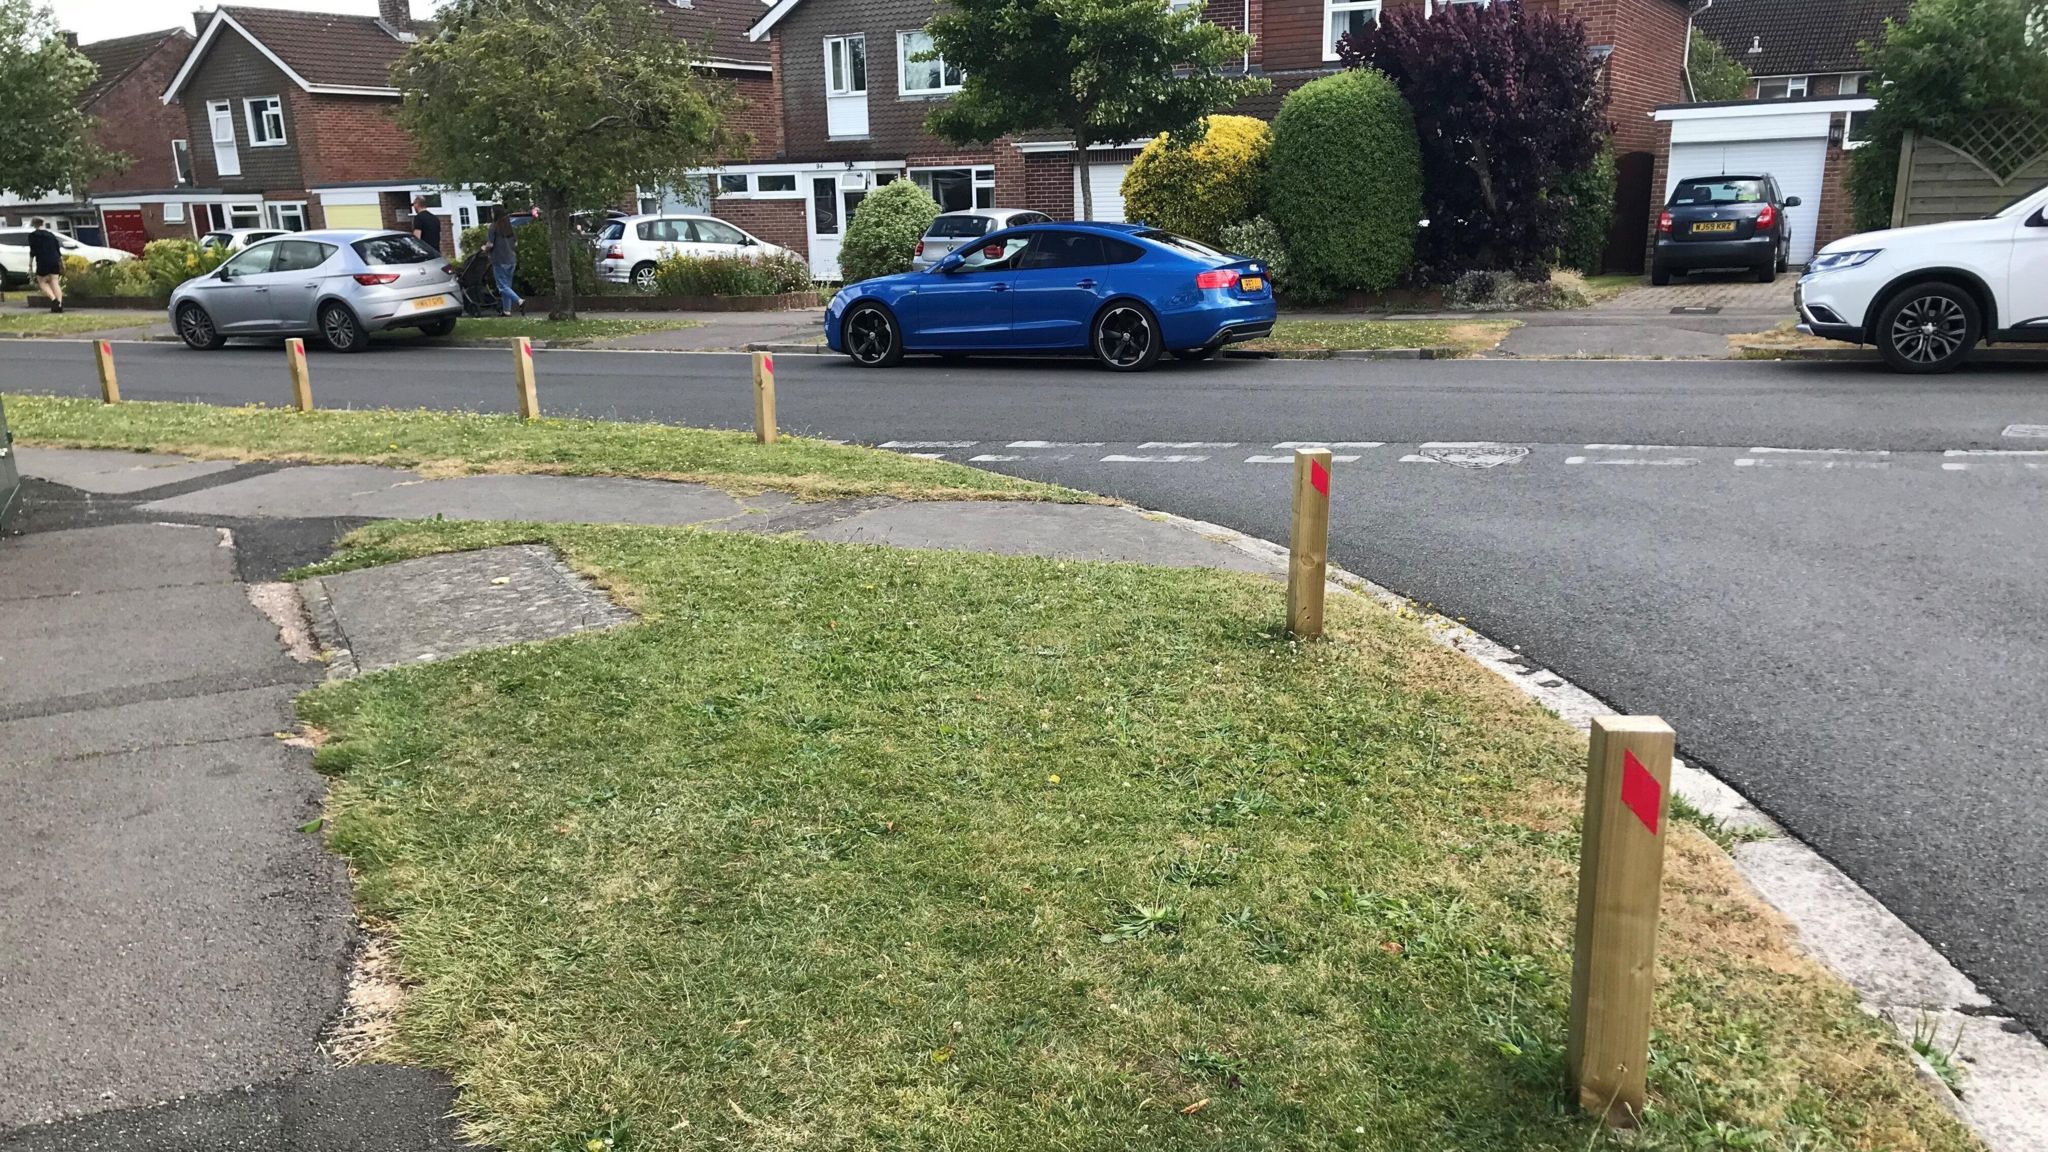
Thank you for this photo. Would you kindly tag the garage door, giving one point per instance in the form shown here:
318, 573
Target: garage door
354, 216
1107, 182
1796, 163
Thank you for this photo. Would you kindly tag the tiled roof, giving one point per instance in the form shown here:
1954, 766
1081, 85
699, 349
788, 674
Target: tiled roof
328, 49
116, 58
717, 27
1808, 37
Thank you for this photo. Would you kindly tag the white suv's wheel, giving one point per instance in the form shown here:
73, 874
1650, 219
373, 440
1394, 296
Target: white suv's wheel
1927, 328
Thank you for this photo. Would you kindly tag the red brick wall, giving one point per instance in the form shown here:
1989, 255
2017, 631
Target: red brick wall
1647, 66
1833, 221
351, 139
1659, 174
759, 115
132, 118
776, 221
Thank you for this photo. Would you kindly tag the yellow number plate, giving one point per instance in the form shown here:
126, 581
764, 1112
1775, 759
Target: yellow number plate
426, 302
1715, 226
1253, 283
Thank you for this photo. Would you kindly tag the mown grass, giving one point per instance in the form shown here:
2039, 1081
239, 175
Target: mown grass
848, 848
542, 328
40, 323
1463, 336
458, 442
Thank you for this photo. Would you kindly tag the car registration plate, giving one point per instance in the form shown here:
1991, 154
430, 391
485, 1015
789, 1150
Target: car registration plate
1253, 283
1714, 226
426, 302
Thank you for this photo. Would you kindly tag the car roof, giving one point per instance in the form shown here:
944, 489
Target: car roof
664, 216
1729, 176
333, 235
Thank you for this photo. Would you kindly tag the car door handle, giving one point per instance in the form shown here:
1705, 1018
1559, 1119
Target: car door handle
999, 287
1084, 283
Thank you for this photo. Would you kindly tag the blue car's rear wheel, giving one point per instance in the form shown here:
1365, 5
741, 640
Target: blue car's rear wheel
1126, 337
871, 336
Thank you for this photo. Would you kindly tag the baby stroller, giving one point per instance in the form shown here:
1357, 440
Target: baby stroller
479, 290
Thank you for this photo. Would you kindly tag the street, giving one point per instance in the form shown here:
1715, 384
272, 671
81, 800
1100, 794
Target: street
1853, 632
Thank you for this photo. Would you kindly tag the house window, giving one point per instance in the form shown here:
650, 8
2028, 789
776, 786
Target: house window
927, 77
958, 189
846, 66
220, 121
732, 184
775, 182
1343, 18
174, 213
1853, 82
266, 122
287, 216
181, 162
1781, 88
245, 216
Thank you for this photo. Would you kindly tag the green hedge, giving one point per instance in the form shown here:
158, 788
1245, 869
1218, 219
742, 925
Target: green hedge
1591, 191
731, 275
164, 265
1199, 187
1345, 185
884, 231
535, 275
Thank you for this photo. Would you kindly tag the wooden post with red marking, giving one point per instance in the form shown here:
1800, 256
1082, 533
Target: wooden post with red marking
529, 398
764, 397
302, 382
1621, 877
1308, 546
110, 385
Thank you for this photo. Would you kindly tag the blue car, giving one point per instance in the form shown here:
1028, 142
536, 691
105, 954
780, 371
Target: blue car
1123, 292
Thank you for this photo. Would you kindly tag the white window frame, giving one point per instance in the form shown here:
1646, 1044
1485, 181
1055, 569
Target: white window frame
181, 174
273, 214
1796, 87
903, 55
221, 113
232, 212
257, 110
1859, 79
1331, 8
981, 178
174, 212
841, 44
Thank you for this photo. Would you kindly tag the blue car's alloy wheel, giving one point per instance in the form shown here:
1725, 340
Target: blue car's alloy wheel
1126, 339
871, 337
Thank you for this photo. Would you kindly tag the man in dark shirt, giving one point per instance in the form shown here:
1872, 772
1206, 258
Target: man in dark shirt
425, 224
46, 260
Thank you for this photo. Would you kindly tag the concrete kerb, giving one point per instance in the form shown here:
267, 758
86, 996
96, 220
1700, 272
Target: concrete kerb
1898, 976
1431, 353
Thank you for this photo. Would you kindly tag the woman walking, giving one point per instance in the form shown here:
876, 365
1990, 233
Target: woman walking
503, 247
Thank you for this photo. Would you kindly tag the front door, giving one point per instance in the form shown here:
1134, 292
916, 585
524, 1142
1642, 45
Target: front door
832, 206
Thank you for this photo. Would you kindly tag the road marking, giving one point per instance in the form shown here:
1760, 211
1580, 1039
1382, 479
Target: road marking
1188, 444
2026, 431
2035, 453
2030, 458
1055, 444
1115, 459
995, 459
1667, 462
1754, 462
1820, 451
930, 443
1631, 447
927, 455
1290, 459
1285, 445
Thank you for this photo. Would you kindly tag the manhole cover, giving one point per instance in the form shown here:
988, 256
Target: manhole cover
1474, 455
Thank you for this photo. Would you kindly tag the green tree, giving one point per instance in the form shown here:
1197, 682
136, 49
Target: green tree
48, 145
1345, 185
1715, 74
582, 102
1103, 71
1951, 62
882, 237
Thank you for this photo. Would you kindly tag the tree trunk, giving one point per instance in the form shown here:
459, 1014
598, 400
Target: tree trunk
1081, 168
554, 204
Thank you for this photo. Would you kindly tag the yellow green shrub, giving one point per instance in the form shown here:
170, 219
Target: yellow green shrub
1201, 186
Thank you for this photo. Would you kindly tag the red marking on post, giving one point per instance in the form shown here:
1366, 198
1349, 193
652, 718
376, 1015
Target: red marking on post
768, 364
107, 347
1319, 477
1640, 790
526, 350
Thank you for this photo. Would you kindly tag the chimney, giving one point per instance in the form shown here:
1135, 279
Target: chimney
200, 18
71, 41
396, 13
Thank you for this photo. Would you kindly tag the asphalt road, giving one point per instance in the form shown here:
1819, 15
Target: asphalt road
1856, 639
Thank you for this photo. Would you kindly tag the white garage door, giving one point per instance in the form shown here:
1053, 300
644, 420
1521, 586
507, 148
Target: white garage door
1107, 182
1796, 163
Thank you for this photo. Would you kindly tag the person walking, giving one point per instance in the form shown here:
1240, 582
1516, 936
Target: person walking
46, 257
503, 246
425, 224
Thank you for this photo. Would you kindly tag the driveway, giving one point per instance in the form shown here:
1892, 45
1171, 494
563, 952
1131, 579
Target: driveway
1722, 291
1688, 320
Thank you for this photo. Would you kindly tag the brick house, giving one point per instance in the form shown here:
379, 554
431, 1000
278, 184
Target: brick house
1804, 110
128, 118
853, 108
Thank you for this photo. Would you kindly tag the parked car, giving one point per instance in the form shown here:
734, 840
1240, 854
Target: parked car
15, 265
1723, 222
1124, 293
949, 230
236, 239
1926, 295
628, 248
341, 285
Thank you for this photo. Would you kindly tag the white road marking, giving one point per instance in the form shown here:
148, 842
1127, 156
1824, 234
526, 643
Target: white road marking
2026, 431
930, 443
2034, 453
1287, 444
1115, 459
927, 455
994, 459
1631, 447
1188, 444
1666, 462
1290, 459
1820, 451
2030, 458
1755, 462
1055, 444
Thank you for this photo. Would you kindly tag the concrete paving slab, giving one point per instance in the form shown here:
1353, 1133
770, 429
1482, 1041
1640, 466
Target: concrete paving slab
1065, 531
149, 723
1646, 340
114, 473
169, 928
122, 558
438, 606
361, 490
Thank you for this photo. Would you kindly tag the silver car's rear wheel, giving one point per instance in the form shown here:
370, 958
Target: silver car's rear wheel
341, 330
196, 329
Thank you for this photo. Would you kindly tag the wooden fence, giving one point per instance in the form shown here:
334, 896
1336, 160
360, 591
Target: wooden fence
1974, 172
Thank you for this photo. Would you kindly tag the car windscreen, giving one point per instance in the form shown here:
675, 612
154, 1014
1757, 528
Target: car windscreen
394, 249
611, 231
1191, 247
958, 227
14, 239
1723, 191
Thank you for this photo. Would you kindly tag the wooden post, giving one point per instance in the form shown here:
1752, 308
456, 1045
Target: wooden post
1903, 189
1308, 545
529, 397
1614, 954
764, 397
302, 383
110, 385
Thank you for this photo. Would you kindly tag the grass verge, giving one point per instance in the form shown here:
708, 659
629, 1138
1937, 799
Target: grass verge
542, 328
72, 323
450, 443
1464, 336
1608, 285
849, 848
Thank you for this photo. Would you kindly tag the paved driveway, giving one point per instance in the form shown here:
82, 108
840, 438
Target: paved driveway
1728, 291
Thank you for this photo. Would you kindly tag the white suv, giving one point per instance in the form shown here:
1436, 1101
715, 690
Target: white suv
15, 262
628, 248
1926, 295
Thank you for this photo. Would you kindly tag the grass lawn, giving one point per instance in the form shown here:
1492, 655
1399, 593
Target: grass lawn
1466, 336
1607, 286
539, 327
448, 443
41, 323
848, 848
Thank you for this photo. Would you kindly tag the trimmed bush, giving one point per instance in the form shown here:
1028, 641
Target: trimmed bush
731, 275
1200, 187
164, 265
535, 275
1259, 239
884, 232
1345, 185
1590, 194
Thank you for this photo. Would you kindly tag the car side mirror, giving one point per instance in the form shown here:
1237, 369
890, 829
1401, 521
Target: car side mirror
949, 263
1791, 201
223, 274
748, 242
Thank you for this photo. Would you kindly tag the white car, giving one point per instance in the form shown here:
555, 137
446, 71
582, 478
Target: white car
15, 263
628, 248
1926, 295
236, 239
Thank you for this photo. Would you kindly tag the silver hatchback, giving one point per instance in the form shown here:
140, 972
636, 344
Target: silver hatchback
341, 285
949, 230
